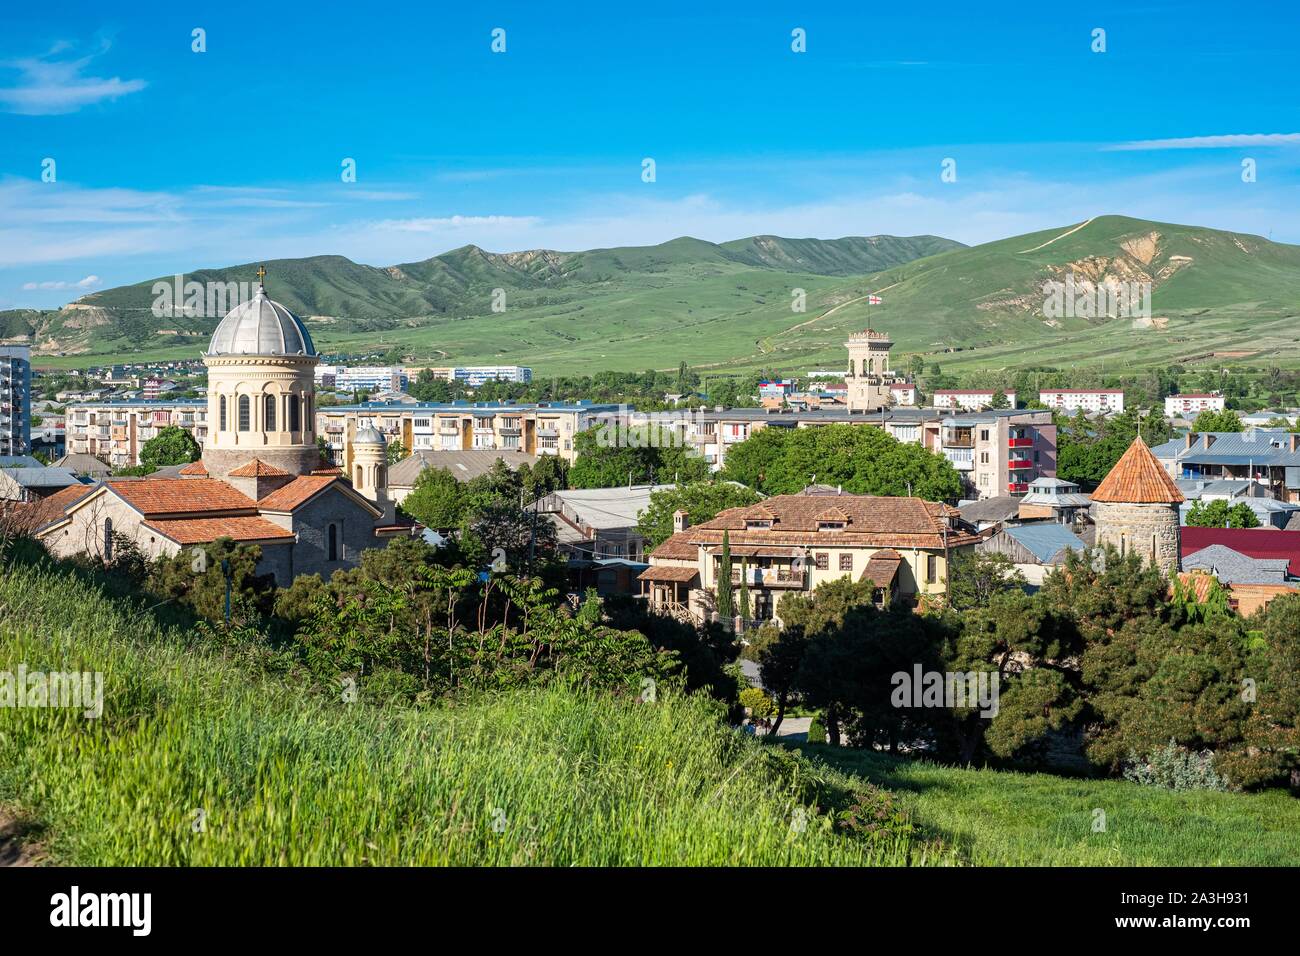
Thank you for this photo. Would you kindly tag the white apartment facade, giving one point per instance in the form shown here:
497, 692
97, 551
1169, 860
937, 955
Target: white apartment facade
1091, 401
971, 399
1193, 403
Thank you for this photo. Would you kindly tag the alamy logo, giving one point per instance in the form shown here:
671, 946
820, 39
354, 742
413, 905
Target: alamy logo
83, 690
134, 910
204, 300
951, 689
1085, 299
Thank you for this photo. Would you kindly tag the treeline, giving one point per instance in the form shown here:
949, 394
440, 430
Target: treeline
1102, 669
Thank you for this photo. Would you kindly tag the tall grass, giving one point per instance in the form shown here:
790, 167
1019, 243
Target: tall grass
287, 776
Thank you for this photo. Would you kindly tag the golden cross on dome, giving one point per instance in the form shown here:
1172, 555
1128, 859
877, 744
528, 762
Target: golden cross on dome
261, 274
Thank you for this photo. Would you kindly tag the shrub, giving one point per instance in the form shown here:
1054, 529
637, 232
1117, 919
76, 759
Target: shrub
1175, 767
758, 703
816, 731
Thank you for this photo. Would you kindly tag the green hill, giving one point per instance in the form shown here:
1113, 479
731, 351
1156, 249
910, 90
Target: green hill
1219, 296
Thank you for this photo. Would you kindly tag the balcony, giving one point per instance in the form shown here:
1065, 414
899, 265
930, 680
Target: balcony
1017, 487
962, 439
1020, 442
770, 577
963, 459
1017, 464
548, 431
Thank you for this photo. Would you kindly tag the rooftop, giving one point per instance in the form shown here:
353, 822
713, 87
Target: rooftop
1138, 478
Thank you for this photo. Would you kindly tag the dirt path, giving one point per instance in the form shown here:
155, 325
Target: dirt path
1068, 232
15, 846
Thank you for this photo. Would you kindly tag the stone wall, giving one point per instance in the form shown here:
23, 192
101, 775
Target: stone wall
1151, 530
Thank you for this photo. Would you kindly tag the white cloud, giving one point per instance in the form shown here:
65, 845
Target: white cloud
1228, 141
443, 223
87, 283
47, 85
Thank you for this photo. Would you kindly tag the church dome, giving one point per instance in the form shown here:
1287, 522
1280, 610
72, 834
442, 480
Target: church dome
368, 436
261, 327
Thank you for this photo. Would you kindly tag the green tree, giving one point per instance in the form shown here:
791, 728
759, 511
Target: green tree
726, 610
171, 446
608, 457
1216, 421
977, 578
1000, 399
862, 459
701, 500
1219, 514
435, 500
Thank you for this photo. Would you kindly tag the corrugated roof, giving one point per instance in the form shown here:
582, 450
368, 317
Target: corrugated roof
1138, 478
1233, 567
464, 464
1253, 542
1046, 540
42, 477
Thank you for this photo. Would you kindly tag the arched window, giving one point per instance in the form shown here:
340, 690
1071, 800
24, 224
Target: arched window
333, 545
221, 402
243, 413
357, 482
306, 413
268, 425
108, 539
294, 420
381, 477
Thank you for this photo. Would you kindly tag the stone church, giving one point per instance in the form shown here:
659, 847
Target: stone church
261, 479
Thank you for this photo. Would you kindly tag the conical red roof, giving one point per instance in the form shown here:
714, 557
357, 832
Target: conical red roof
1138, 478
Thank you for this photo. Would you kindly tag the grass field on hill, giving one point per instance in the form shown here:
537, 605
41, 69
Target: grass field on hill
542, 777
1026, 819
548, 777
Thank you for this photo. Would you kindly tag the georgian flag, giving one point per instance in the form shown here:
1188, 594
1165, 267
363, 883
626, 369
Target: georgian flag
874, 300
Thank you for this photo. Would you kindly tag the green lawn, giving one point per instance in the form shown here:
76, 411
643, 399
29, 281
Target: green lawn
995, 817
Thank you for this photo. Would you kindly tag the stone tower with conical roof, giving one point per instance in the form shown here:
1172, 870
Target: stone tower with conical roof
261, 390
1135, 508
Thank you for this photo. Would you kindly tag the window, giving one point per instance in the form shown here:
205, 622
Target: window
823, 560
758, 524
830, 526
381, 477
221, 404
357, 482
984, 434
984, 458
332, 543
295, 423
268, 425
846, 562
931, 568
243, 413
108, 539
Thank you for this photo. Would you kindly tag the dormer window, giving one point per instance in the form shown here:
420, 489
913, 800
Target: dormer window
758, 524
830, 526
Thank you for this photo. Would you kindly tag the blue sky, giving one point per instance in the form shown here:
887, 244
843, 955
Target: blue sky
169, 160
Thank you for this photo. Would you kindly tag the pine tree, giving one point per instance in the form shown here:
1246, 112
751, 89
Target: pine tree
726, 610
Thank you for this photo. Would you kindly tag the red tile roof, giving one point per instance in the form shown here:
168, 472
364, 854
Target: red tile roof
664, 572
195, 469
1138, 478
37, 514
676, 548
258, 469
296, 493
178, 496
203, 530
882, 568
1252, 542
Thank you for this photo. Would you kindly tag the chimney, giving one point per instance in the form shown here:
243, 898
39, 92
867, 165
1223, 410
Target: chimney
1207, 440
1191, 440
1295, 442
681, 521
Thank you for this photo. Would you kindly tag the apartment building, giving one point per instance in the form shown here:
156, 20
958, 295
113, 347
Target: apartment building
476, 375
534, 429
972, 399
370, 378
904, 393
1193, 403
1270, 457
115, 431
15, 399
1091, 401
997, 451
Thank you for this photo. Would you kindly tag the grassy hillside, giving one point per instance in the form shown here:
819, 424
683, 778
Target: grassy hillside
288, 777
442, 307
1218, 297
995, 818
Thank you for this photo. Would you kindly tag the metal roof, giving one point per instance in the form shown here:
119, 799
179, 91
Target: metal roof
261, 327
1044, 541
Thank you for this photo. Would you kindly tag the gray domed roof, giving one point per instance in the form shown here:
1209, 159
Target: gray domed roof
368, 436
261, 327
